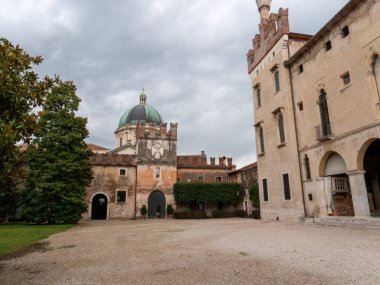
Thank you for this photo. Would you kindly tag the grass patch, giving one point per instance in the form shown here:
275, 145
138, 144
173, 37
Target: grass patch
16, 236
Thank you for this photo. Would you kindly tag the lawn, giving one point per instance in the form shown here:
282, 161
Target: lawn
16, 236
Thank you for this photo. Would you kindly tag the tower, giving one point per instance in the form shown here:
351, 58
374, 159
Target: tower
264, 8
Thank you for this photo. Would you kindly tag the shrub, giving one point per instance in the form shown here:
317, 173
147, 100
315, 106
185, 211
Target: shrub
190, 215
254, 196
240, 214
229, 214
143, 210
256, 214
169, 209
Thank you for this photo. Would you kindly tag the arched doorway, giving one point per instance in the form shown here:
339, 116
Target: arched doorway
371, 165
339, 198
156, 205
99, 206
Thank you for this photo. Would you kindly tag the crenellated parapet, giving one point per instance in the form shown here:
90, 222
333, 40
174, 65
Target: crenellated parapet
146, 130
271, 29
201, 161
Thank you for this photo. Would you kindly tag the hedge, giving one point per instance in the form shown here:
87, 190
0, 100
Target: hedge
207, 192
190, 215
229, 214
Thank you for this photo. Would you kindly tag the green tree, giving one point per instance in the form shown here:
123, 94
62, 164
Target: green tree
59, 168
21, 91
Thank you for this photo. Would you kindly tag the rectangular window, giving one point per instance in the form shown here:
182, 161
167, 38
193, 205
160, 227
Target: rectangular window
218, 179
157, 172
121, 196
346, 78
265, 190
310, 197
122, 172
285, 180
121, 141
200, 178
328, 45
300, 69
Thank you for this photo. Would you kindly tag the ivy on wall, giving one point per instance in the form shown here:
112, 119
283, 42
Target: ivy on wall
208, 192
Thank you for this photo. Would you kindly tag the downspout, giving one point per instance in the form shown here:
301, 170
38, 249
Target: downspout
135, 212
296, 130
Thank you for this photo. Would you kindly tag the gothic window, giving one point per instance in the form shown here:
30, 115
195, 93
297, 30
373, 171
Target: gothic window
277, 80
307, 167
258, 97
265, 190
261, 138
376, 69
285, 180
324, 111
281, 129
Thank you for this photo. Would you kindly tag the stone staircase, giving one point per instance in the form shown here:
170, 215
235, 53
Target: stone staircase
350, 222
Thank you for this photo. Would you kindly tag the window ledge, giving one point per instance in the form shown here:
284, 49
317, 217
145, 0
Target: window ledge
308, 180
276, 92
261, 154
121, 203
281, 145
345, 87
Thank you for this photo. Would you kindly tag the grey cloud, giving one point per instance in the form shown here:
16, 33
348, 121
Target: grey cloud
188, 54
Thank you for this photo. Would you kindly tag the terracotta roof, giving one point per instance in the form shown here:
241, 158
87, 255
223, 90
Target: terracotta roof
95, 147
249, 166
344, 12
113, 159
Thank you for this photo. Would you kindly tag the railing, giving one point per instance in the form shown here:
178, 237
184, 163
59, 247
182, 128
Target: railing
340, 185
322, 135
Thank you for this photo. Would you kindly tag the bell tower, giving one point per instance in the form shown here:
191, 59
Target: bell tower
264, 8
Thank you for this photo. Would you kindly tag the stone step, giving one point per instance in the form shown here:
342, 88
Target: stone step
351, 222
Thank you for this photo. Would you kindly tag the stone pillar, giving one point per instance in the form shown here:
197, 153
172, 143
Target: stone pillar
328, 194
376, 192
321, 194
359, 193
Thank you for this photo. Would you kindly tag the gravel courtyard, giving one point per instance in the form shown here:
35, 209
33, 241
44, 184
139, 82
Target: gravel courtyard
230, 251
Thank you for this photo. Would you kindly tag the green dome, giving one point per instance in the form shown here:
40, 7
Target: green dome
141, 112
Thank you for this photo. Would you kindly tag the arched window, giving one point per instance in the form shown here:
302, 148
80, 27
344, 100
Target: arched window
376, 71
277, 80
307, 167
261, 137
324, 110
281, 127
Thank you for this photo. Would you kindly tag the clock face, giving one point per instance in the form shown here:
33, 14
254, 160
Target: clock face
157, 150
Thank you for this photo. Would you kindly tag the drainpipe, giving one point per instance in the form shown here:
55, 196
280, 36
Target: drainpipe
296, 131
135, 211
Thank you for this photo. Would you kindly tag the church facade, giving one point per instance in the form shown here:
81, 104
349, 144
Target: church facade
317, 116
144, 166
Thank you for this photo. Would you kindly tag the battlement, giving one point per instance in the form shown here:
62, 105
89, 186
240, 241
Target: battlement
154, 131
271, 30
197, 161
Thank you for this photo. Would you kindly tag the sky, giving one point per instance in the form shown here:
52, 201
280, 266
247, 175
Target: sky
188, 55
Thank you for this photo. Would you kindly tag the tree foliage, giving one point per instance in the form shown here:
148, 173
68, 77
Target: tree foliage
21, 91
207, 192
59, 168
254, 196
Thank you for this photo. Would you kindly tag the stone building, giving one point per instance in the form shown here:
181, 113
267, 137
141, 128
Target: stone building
317, 114
247, 177
144, 166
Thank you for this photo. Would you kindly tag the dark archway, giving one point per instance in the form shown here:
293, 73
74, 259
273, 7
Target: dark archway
372, 176
99, 205
156, 205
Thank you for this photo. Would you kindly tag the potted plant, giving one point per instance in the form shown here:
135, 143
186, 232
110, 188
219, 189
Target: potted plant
143, 211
